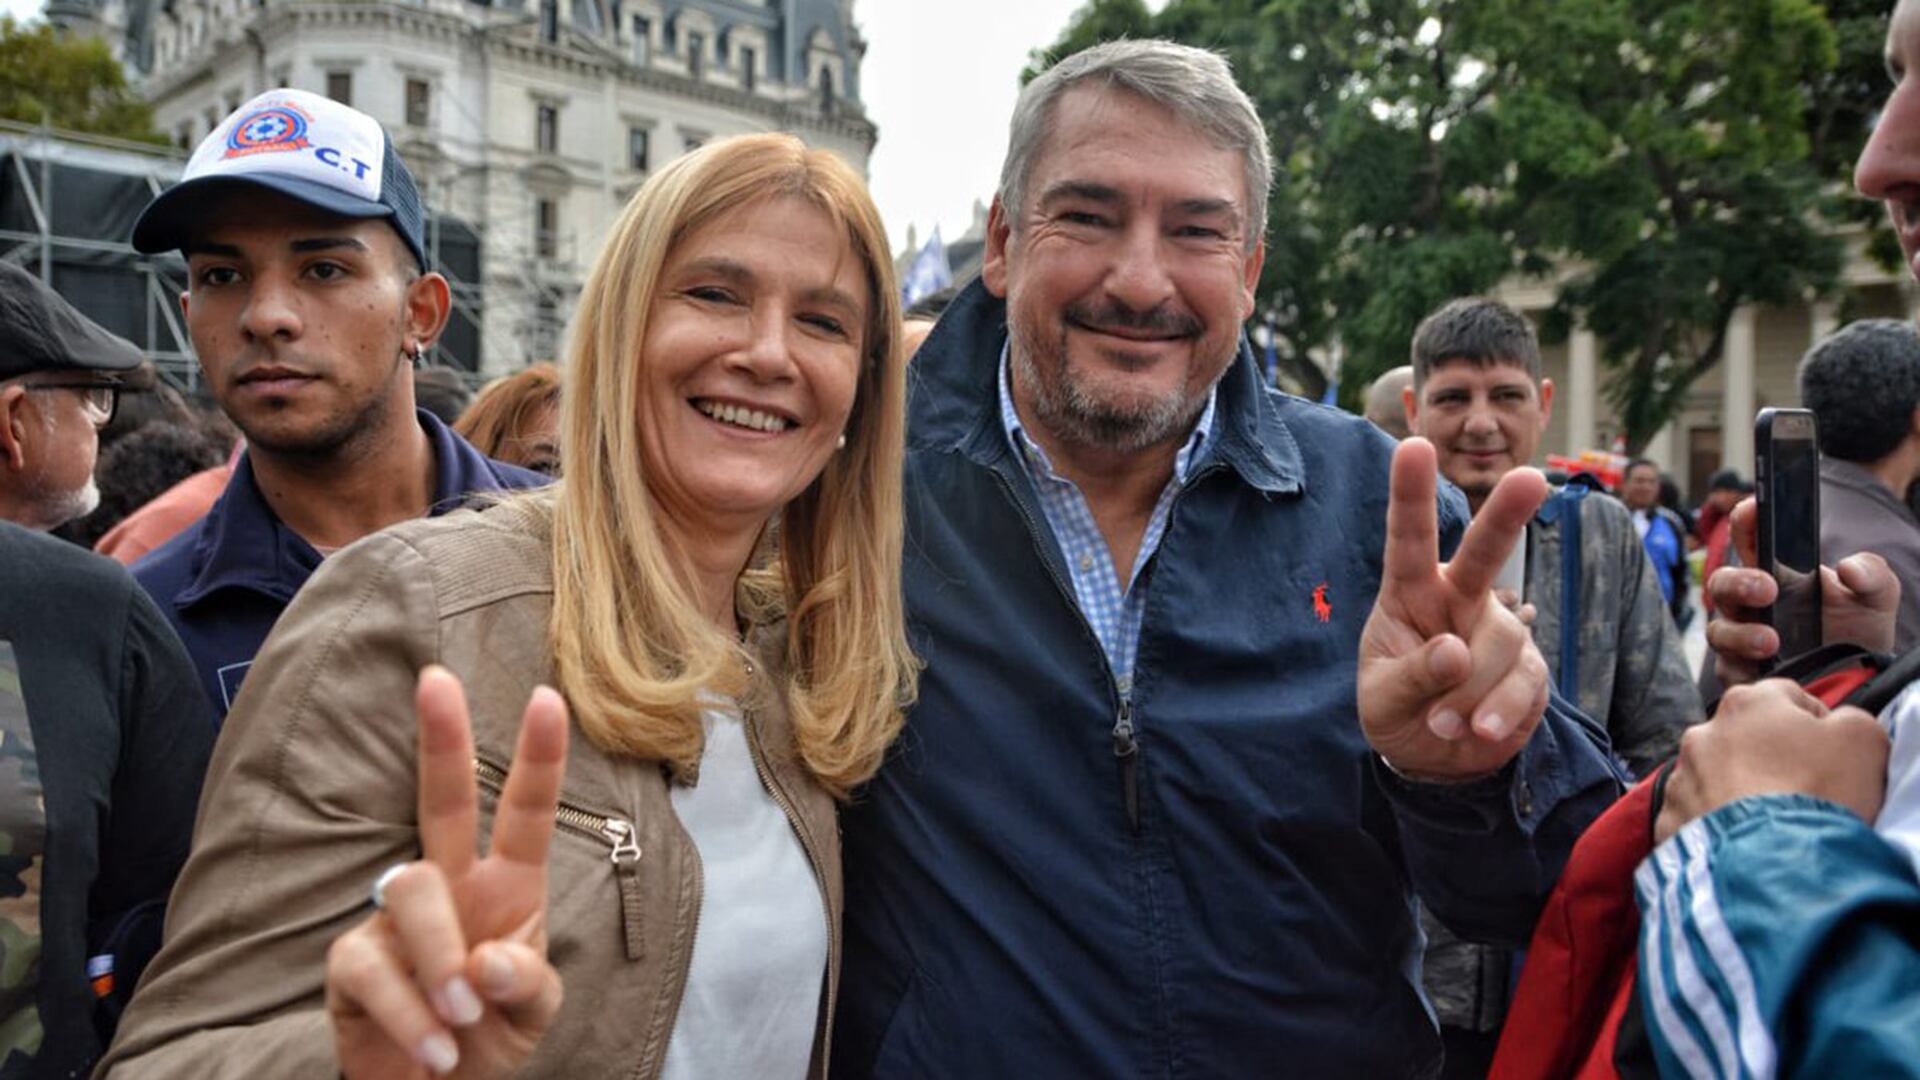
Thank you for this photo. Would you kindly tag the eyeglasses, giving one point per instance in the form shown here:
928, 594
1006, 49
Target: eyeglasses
102, 400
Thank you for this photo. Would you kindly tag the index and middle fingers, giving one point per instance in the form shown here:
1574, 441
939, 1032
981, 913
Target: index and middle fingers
1413, 546
448, 804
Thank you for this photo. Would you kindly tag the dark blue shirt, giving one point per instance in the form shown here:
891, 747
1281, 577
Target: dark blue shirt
1213, 874
224, 581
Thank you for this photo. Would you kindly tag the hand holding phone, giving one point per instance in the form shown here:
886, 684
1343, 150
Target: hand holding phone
1787, 494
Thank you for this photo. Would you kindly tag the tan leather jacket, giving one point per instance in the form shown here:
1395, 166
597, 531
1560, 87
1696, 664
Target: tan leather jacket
311, 795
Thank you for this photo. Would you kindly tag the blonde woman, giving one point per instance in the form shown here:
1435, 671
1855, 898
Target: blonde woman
660, 897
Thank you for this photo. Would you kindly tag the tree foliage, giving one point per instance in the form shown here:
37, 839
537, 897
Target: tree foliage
69, 82
1683, 157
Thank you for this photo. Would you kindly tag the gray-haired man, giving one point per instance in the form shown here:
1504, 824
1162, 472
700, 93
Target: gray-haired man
1137, 825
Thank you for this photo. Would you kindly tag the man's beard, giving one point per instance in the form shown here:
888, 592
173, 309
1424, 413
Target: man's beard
67, 506
1072, 412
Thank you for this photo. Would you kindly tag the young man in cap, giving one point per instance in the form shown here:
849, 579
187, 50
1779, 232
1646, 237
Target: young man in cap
309, 301
59, 383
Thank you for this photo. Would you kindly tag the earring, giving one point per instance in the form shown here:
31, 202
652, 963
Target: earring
841, 442
419, 354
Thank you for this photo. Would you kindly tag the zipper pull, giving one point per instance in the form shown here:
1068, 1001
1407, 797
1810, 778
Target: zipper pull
626, 851
625, 857
1128, 751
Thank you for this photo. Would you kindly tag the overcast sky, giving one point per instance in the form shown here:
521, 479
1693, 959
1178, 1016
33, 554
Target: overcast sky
939, 81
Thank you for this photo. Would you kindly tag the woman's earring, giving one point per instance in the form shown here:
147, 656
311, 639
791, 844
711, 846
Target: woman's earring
841, 442
419, 354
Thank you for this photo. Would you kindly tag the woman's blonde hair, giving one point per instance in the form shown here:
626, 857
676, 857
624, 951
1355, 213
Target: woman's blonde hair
498, 421
632, 649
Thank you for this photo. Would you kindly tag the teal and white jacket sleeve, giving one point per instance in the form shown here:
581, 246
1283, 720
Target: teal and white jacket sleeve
1780, 935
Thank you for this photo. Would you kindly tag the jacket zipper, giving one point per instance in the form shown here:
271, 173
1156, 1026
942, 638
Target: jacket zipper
619, 836
1126, 749
819, 870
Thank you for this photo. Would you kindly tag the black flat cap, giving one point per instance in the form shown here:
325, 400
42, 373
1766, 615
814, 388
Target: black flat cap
40, 331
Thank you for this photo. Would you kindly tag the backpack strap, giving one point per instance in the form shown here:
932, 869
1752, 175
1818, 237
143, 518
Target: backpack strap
1565, 505
1894, 676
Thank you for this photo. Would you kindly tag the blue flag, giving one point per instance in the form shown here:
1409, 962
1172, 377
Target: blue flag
929, 272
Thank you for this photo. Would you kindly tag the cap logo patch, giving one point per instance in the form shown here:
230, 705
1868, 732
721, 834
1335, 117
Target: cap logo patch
270, 130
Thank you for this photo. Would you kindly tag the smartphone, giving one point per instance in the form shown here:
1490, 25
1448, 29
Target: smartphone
1786, 468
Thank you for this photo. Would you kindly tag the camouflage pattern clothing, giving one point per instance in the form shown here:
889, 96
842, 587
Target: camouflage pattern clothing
23, 829
104, 740
1632, 673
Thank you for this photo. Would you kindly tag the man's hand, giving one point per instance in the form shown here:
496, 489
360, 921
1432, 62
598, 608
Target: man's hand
1858, 601
1773, 738
1450, 684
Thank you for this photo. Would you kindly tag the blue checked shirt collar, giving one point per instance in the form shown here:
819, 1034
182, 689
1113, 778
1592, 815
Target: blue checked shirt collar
1113, 613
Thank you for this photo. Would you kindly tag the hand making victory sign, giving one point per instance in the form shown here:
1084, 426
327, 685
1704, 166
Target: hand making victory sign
1450, 684
451, 976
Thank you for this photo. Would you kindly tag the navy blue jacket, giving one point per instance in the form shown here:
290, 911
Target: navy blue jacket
225, 579
1009, 914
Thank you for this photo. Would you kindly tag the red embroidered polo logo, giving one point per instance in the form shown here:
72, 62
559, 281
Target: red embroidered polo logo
1322, 610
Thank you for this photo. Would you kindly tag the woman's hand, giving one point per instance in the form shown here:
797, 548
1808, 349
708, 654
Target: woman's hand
452, 976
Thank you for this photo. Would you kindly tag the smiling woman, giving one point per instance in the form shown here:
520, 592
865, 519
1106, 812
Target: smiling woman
736, 358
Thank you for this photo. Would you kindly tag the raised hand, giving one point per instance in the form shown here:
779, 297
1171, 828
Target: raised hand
452, 977
1859, 600
1450, 684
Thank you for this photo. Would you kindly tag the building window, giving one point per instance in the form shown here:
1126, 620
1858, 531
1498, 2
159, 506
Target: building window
826, 90
418, 100
696, 54
637, 138
233, 100
283, 78
340, 86
546, 327
546, 129
549, 21
183, 138
642, 40
546, 228
747, 74
213, 120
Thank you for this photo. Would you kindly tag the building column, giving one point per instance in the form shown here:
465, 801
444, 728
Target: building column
1582, 390
1826, 320
1737, 399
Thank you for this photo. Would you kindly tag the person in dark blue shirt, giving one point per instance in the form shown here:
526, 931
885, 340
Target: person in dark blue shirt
1201, 710
309, 302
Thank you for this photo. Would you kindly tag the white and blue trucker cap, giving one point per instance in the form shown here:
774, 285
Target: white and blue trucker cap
302, 145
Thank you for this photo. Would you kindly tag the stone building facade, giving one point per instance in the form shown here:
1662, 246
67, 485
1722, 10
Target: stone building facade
528, 123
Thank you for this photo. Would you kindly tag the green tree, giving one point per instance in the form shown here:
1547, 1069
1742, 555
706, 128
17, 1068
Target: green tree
68, 82
1689, 156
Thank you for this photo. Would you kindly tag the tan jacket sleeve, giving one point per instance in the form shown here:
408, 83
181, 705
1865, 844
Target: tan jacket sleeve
310, 795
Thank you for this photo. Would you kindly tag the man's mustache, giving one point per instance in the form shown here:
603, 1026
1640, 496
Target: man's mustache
1160, 321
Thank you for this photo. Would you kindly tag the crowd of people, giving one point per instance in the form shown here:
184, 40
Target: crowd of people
720, 701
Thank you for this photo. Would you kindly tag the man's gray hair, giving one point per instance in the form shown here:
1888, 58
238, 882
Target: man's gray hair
1195, 84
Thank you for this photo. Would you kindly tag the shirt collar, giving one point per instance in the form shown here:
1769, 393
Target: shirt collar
244, 544
1184, 463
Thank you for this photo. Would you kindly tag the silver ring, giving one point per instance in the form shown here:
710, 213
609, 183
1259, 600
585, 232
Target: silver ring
380, 884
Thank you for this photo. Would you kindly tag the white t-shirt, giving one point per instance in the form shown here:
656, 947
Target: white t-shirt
759, 964
1899, 820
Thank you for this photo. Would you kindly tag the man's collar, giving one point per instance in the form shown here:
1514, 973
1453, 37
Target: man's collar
954, 402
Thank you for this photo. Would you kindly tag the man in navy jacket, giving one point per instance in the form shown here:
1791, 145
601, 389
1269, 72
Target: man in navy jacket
309, 301
1202, 710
